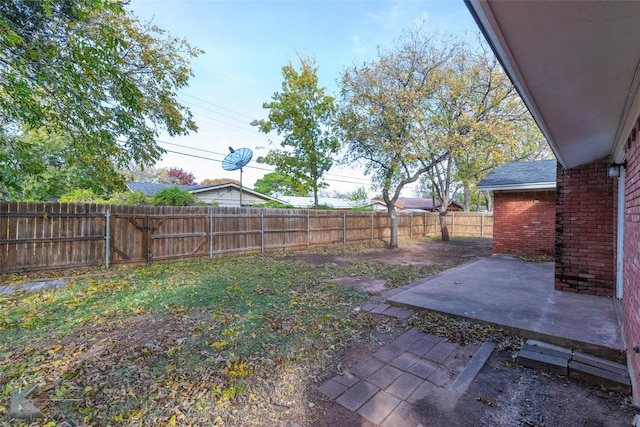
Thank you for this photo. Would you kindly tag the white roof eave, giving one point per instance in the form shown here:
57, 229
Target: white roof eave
577, 67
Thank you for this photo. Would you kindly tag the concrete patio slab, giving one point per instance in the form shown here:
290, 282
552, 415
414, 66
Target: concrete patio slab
519, 296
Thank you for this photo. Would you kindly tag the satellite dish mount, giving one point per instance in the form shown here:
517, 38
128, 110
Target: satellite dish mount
237, 159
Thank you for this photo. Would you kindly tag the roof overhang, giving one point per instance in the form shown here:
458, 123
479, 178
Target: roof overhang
235, 187
533, 186
576, 66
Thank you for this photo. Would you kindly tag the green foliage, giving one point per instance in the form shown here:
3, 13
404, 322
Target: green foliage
91, 74
480, 118
324, 207
303, 114
360, 195
274, 205
434, 110
276, 183
129, 198
59, 171
383, 115
82, 196
173, 196
362, 209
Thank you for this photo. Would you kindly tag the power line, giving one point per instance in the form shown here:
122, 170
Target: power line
244, 131
218, 106
248, 166
216, 112
365, 180
238, 82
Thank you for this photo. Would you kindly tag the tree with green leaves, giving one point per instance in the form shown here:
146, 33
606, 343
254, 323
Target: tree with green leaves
278, 184
479, 119
92, 75
56, 176
383, 114
303, 115
173, 196
360, 195
219, 181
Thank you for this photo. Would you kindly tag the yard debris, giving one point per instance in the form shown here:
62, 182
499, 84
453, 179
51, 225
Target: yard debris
21, 408
463, 331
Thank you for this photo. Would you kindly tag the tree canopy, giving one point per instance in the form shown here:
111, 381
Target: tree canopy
383, 113
278, 184
303, 115
479, 117
219, 181
432, 109
173, 196
93, 77
176, 176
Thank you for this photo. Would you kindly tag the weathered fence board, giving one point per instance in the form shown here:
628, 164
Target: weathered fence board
42, 236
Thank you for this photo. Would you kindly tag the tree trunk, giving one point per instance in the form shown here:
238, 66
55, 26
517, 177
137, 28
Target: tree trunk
487, 196
443, 227
315, 198
467, 197
393, 217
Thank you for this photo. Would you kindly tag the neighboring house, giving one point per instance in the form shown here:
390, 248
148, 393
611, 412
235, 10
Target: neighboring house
150, 189
524, 210
576, 66
302, 202
424, 204
223, 194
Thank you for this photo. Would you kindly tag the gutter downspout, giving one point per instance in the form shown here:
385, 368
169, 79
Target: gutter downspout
620, 235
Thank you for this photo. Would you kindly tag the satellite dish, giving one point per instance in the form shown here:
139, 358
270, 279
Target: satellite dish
237, 159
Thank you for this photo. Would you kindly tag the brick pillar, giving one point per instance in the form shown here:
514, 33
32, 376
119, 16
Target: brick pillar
586, 230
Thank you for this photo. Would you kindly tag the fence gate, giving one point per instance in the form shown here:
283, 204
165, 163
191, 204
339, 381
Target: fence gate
144, 236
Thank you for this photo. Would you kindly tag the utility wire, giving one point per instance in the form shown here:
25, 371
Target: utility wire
365, 180
217, 106
247, 166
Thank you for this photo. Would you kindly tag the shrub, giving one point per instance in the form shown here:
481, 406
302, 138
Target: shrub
81, 196
173, 196
129, 198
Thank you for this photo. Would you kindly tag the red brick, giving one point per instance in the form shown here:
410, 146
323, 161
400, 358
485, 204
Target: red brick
631, 269
526, 228
585, 230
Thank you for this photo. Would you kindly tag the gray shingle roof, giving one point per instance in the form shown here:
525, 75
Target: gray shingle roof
521, 175
151, 188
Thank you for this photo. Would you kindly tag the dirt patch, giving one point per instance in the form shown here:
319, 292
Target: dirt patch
414, 252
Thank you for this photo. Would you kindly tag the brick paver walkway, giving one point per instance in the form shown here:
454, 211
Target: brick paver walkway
383, 386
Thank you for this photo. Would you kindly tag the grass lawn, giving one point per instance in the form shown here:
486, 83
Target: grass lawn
225, 341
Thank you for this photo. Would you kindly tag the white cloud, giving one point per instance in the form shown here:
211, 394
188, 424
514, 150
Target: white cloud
357, 45
389, 17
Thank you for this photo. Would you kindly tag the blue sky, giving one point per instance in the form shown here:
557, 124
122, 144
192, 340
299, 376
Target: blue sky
247, 42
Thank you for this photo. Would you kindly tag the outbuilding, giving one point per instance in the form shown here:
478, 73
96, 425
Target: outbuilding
524, 207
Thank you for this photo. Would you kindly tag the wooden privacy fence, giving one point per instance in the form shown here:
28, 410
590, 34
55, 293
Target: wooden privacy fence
42, 236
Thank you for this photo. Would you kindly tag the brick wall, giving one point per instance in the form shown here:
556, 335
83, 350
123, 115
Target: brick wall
525, 222
631, 262
586, 230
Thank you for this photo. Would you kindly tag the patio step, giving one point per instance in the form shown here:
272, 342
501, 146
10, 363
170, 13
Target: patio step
584, 367
547, 357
